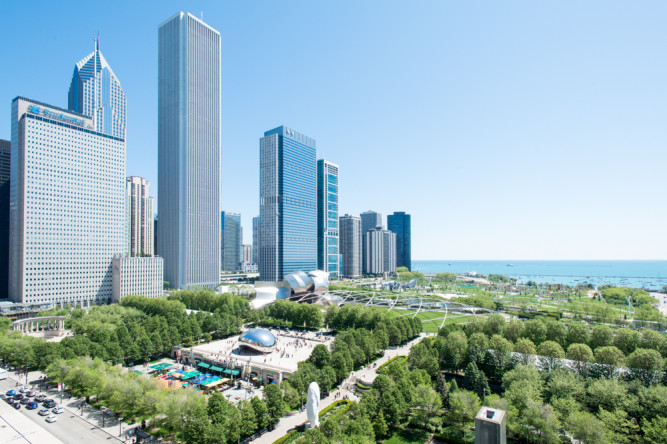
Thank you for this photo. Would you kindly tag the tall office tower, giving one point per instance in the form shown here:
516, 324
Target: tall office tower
5, 156
155, 235
350, 245
247, 253
231, 234
369, 220
67, 206
288, 204
95, 91
255, 240
381, 251
399, 223
327, 218
189, 151
140, 216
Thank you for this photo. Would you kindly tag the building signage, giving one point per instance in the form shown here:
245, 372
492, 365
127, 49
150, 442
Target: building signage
53, 115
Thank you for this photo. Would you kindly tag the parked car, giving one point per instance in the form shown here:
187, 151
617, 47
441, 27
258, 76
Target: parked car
44, 412
3, 396
24, 401
51, 418
24, 389
49, 403
9, 400
58, 410
18, 397
30, 393
32, 405
17, 405
11, 393
40, 398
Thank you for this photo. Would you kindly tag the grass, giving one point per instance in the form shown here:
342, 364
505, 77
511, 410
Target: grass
431, 320
407, 436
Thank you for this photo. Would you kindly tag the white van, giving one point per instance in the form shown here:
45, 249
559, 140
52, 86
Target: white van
3, 373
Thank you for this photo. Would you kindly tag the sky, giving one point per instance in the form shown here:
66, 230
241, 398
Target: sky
507, 129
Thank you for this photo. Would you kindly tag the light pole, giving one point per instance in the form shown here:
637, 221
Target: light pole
120, 426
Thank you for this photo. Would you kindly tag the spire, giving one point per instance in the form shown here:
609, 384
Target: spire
97, 42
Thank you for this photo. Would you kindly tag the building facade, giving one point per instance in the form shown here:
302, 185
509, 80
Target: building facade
95, 91
288, 204
369, 220
67, 206
189, 151
327, 218
380, 251
140, 222
231, 234
399, 223
141, 276
350, 246
255, 240
247, 253
5, 156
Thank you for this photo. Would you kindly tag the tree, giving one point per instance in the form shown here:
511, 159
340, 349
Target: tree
622, 429
425, 403
557, 332
577, 333
654, 430
320, 356
463, 406
587, 428
443, 389
626, 340
380, 426
274, 401
454, 351
645, 365
608, 360
513, 330
527, 351
608, 394
475, 381
501, 353
551, 355
261, 412
535, 330
602, 336
248, 423
495, 325
542, 421
478, 344
582, 356
564, 384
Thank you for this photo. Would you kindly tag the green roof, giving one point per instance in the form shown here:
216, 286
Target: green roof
203, 365
216, 369
236, 372
227, 371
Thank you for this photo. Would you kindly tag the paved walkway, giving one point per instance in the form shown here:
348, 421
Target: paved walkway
346, 390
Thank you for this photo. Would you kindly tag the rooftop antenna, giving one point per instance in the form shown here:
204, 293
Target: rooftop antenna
95, 81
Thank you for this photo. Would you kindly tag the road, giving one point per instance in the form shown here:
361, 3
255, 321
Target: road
70, 427
366, 374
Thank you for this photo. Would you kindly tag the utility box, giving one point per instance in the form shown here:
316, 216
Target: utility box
490, 426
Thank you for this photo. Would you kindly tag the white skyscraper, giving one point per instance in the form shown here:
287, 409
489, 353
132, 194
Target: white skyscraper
189, 151
67, 206
140, 216
350, 245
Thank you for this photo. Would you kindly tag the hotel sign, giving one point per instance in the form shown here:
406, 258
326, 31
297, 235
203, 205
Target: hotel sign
54, 115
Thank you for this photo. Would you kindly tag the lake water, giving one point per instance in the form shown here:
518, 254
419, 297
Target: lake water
639, 274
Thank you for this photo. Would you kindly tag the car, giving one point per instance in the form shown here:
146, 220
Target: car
24, 401
44, 412
24, 389
18, 397
9, 400
30, 393
11, 393
40, 398
17, 405
32, 405
3, 396
51, 418
58, 410
49, 403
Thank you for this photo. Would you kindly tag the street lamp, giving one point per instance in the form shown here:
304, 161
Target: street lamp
120, 426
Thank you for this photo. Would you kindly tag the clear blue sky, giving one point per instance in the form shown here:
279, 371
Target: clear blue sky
509, 130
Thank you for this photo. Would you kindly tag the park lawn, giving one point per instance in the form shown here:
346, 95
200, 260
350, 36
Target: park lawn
407, 436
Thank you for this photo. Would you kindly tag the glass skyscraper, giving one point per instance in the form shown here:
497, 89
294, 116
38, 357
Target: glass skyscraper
5, 156
288, 204
327, 218
231, 234
96, 92
350, 245
369, 221
189, 151
399, 223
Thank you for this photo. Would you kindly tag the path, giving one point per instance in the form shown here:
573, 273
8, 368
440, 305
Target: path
346, 389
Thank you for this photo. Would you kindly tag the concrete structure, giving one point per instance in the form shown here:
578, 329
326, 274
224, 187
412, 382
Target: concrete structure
288, 204
95, 91
399, 223
490, 426
54, 324
255, 240
327, 218
5, 156
247, 253
189, 151
380, 251
140, 216
350, 246
369, 220
67, 206
231, 247
141, 276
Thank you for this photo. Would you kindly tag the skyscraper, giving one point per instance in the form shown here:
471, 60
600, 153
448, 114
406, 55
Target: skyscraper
140, 216
380, 251
350, 245
67, 206
369, 220
232, 241
255, 240
247, 253
189, 151
399, 223
95, 91
288, 203
5, 156
327, 218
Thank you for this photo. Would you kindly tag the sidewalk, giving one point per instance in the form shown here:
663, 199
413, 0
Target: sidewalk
346, 390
